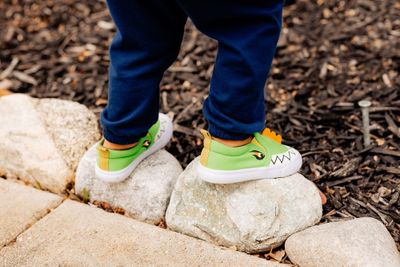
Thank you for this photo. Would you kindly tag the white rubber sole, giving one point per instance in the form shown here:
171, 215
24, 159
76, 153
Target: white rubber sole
160, 142
243, 175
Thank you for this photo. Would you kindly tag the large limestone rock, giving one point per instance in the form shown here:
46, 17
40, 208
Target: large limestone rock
252, 216
359, 242
72, 127
143, 196
42, 139
75, 234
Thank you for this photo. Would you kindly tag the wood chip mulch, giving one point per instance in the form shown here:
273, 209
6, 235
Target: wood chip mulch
331, 55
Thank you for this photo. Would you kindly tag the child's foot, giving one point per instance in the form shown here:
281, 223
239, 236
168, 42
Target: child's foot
264, 157
109, 145
115, 165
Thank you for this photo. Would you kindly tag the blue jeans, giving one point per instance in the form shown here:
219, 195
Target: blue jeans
147, 42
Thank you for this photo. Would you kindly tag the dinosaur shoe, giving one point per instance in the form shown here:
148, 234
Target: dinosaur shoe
264, 157
116, 165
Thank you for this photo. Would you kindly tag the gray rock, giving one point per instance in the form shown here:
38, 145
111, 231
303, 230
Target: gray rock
363, 242
72, 127
143, 196
42, 139
251, 216
75, 234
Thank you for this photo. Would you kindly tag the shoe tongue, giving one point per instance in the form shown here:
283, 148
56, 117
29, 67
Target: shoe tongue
260, 140
270, 144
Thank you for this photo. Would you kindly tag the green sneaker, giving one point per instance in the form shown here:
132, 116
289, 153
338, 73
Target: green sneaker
264, 157
116, 165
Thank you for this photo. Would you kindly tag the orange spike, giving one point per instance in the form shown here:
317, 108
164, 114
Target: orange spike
271, 134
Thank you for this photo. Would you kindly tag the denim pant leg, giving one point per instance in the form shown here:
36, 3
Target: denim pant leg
148, 38
247, 32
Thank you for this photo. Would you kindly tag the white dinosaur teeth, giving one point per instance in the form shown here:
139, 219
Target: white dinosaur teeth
281, 158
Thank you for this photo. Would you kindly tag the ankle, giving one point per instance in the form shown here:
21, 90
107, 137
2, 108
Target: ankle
109, 145
233, 143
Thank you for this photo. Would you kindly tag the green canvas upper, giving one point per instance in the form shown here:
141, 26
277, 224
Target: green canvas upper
115, 160
257, 153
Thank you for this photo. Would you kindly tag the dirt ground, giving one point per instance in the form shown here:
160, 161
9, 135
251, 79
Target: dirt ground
331, 55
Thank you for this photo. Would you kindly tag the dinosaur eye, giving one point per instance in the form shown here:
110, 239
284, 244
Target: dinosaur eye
146, 143
257, 154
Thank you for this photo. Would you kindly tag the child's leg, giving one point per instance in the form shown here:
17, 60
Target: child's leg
247, 32
149, 34
148, 39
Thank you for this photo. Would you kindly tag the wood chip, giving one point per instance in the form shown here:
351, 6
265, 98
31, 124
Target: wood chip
23, 77
4, 74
